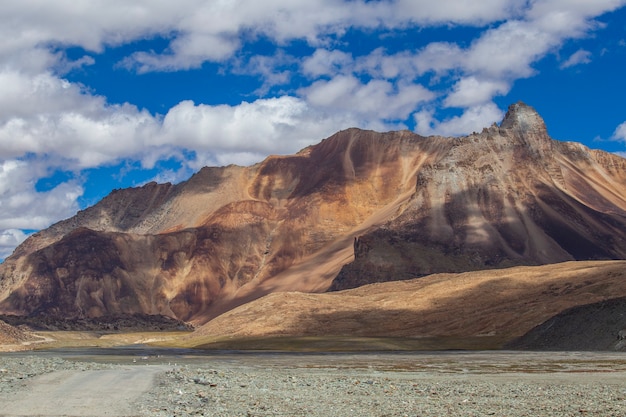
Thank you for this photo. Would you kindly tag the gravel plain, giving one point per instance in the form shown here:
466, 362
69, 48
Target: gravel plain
433, 384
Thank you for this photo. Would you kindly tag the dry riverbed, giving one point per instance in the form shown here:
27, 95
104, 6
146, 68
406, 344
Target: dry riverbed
175, 383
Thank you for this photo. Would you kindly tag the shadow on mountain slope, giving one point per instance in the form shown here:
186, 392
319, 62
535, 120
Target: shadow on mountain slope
593, 326
499, 304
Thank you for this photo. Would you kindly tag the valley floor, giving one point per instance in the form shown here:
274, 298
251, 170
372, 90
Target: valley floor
172, 382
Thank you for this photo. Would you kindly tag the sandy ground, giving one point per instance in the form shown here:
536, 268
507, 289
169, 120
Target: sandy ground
157, 383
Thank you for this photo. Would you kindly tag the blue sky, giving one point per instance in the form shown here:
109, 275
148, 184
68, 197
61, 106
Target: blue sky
97, 95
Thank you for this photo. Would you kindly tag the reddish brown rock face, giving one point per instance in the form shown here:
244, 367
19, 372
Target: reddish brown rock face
506, 196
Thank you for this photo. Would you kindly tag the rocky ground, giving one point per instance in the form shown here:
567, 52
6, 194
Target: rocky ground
369, 385
213, 392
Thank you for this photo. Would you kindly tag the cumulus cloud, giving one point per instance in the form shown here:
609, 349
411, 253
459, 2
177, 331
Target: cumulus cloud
45, 115
185, 52
205, 30
212, 30
30, 23
379, 64
199, 30
260, 127
471, 91
374, 99
85, 132
22, 206
47, 122
473, 119
509, 50
327, 63
501, 55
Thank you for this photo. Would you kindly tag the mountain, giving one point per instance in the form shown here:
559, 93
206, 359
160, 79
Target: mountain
507, 196
359, 207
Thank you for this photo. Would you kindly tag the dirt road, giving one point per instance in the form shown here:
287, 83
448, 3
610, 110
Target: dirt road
83, 393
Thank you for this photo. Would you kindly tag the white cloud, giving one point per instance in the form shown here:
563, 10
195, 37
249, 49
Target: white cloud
502, 55
83, 131
45, 115
374, 99
245, 133
23, 207
620, 132
185, 52
439, 57
209, 30
472, 13
238, 158
26, 96
200, 30
273, 70
223, 128
173, 176
92, 25
379, 64
579, 57
509, 50
57, 123
325, 62
473, 119
471, 91
571, 10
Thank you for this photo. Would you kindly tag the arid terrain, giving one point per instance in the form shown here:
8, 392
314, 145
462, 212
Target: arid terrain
474, 310
157, 383
431, 266
365, 241
357, 208
484, 309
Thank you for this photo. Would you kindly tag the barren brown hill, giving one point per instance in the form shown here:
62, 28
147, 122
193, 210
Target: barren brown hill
499, 305
507, 196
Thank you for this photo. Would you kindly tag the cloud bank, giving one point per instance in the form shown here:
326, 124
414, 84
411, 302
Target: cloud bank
48, 123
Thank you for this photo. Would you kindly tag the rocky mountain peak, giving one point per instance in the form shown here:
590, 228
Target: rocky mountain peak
524, 118
417, 205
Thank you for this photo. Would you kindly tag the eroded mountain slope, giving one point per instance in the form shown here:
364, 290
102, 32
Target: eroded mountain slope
179, 250
509, 195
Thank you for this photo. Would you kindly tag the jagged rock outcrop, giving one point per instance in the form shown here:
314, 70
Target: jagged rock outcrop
509, 195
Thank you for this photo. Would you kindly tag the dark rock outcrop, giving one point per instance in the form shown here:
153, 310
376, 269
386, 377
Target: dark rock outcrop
589, 327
